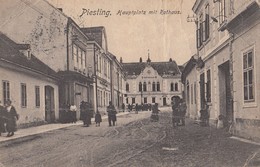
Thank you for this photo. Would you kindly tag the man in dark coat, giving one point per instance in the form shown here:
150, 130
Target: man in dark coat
12, 116
111, 111
175, 112
2, 119
182, 108
98, 118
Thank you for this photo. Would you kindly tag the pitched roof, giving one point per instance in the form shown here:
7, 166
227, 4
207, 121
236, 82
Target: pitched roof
94, 33
167, 68
9, 51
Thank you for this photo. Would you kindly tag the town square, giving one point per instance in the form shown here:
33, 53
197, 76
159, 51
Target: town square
129, 83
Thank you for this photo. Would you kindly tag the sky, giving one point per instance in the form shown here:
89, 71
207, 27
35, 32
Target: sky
132, 32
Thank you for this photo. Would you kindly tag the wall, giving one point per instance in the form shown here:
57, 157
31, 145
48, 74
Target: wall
39, 24
30, 113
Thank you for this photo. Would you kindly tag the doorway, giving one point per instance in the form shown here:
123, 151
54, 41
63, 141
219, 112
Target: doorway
164, 101
49, 104
225, 100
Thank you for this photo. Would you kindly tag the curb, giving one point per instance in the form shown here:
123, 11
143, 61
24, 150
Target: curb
23, 133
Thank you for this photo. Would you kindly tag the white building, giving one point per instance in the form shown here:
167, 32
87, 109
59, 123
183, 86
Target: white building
152, 82
29, 83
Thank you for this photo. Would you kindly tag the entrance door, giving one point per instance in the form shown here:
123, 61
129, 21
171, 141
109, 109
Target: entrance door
49, 104
225, 100
164, 101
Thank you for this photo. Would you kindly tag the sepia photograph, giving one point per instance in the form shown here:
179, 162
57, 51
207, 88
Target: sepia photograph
129, 83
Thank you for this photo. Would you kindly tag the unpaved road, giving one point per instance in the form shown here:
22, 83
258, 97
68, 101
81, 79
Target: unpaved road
134, 142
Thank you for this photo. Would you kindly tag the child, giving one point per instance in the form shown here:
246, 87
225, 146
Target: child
98, 118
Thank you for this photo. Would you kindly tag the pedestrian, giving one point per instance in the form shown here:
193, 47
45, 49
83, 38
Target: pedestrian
2, 119
123, 107
182, 109
155, 112
111, 114
98, 118
89, 113
73, 114
12, 116
175, 111
83, 112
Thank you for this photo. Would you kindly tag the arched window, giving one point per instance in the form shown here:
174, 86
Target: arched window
127, 87
158, 86
140, 87
176, 87
154, 87
144, 87
172, 87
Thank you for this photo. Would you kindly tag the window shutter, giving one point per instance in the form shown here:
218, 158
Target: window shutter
207, 26
198, 38
204, 31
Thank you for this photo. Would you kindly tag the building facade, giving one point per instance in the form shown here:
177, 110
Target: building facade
242, 22
29, 83
57, 41
97, 48
225, 65
152, 82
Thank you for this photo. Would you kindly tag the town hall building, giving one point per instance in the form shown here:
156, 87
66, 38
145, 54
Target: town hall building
152, 82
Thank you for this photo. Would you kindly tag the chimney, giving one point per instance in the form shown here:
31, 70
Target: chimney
121, 60
140, 60
170, 60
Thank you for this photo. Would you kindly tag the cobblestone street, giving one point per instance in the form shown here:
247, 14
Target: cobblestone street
135, 141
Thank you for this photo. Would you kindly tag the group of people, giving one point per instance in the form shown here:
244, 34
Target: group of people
86, 113
179, 108
8, 118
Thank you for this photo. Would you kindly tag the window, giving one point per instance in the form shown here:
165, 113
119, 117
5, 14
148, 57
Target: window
172, 87
127, 87
126, 100
153, 100
176, 87
145, 87
195, 93
158, 86
208, 87
188, 92
23, 95
6, 90
153, 86
75, 55
140, 87
84, 61
206, 24
222, 12
37, 96
145, 100
248, 75
191, 94
199, 31
133, 100
80, 58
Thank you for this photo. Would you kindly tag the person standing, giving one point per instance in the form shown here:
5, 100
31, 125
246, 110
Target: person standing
98, 118
111, 114
2, 119
123, 107
175, 112
183, 108
12, 116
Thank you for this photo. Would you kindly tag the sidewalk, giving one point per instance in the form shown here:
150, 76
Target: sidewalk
46, 128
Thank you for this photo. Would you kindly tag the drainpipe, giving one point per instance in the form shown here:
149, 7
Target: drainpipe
95, 74
231, 75
67, 36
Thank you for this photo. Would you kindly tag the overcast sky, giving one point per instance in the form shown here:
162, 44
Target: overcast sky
130, 36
